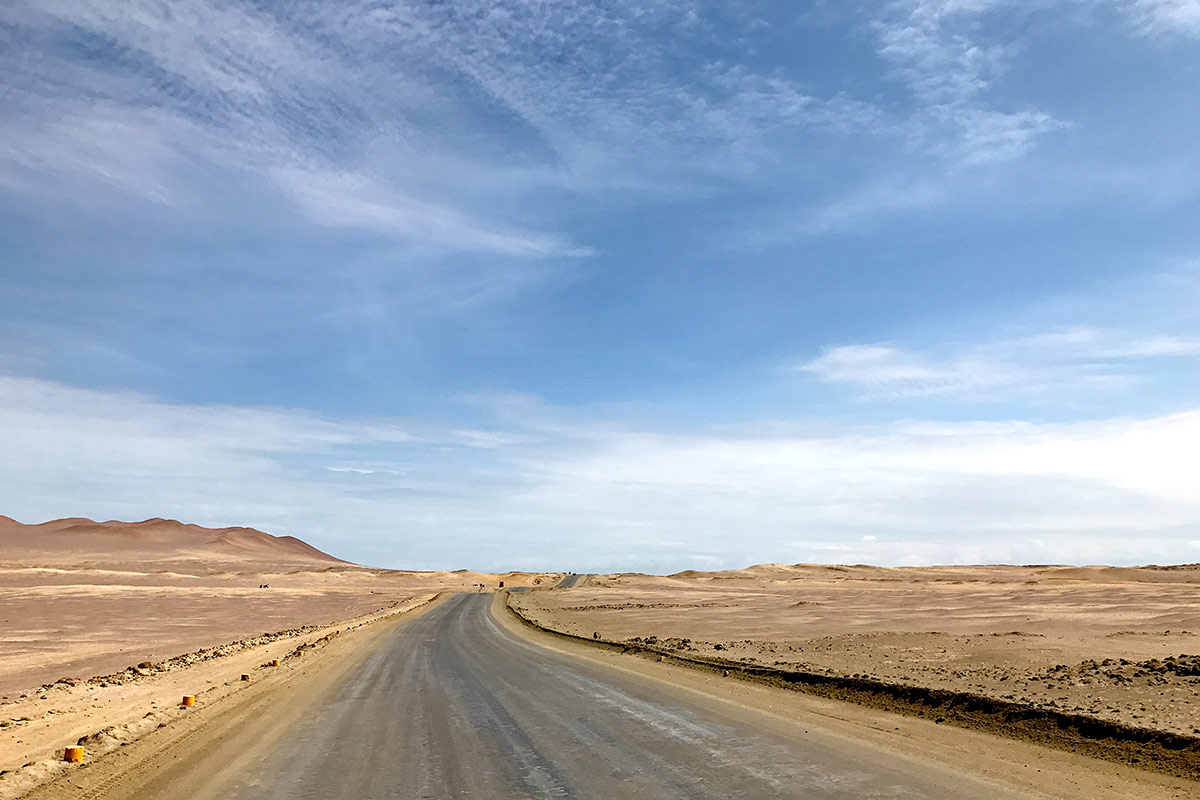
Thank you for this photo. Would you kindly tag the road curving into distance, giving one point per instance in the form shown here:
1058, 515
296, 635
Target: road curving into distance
571, 580
454, 705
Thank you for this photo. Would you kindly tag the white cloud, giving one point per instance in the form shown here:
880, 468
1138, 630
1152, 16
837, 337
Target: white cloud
958, 490
879, 364
450, 124
936, 49
933, 53
439, 124
989, 135
1077, 356
605, 495
225, 87
353, 200
884, 197
884, 370
1168, 16
93, 148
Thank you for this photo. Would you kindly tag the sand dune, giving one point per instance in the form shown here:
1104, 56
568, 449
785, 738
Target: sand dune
76, 540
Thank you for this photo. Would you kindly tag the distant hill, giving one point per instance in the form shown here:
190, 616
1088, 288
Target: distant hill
75, 539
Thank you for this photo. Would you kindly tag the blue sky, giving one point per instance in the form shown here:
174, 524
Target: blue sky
653, 285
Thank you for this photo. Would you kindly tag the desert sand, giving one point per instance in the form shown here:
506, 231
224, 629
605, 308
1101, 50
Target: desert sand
1120, 644
103, 625
100, 620
80, 598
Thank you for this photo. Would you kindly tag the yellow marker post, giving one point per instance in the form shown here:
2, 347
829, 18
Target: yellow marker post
73, 755
189, 700
274, 662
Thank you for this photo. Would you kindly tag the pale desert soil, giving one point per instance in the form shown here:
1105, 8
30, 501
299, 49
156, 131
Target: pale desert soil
1121, 644
75, 623
81, 598
112, 713
103, 623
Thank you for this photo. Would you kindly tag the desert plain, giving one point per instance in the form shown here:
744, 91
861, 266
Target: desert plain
1118, 644
101, 620
104, 625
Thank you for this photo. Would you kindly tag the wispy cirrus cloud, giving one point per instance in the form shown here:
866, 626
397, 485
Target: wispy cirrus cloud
962, 125
334, 198
390, 119
1167, 16
463, 125
94, 147
937, 48
167, 91
1075, 357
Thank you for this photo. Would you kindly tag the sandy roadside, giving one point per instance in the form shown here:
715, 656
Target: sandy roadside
1118, 646
1012, 764
79, 622
235, 721
136, 729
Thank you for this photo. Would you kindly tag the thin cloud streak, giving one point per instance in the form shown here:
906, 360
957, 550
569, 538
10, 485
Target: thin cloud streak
1167, 16
1067, 358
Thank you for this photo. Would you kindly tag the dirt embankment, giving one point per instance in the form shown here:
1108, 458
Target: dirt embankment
1095, 660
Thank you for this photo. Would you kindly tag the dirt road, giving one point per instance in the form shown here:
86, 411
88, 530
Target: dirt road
459, 700
453, 705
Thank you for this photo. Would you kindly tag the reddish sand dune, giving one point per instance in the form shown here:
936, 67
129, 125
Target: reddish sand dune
76, 540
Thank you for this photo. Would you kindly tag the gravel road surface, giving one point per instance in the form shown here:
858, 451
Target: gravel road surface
453, 705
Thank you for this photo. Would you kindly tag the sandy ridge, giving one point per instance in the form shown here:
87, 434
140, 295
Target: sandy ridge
73, 539
1169, 753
